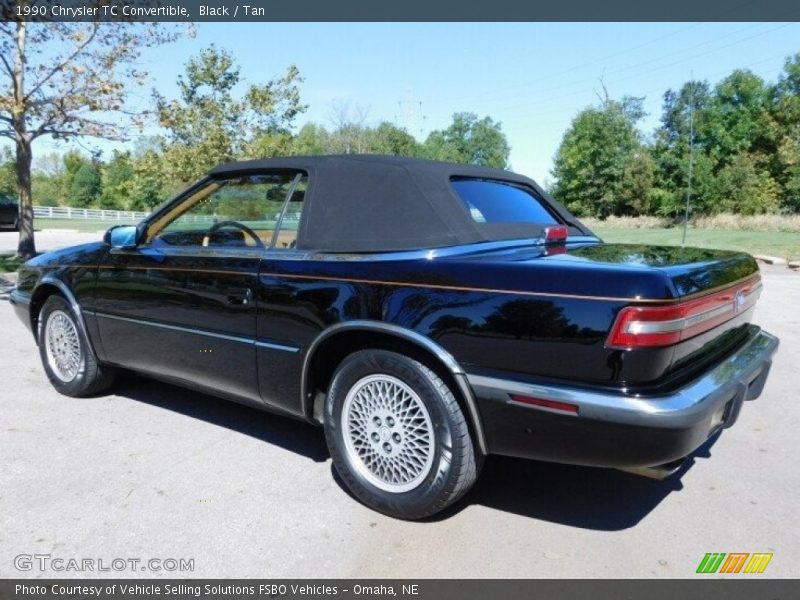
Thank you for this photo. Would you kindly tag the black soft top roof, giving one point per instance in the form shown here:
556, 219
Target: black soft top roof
372, 203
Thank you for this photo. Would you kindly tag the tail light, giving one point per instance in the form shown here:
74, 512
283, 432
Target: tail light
556, 234
657, 326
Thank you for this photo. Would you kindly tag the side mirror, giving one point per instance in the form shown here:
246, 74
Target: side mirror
122, 236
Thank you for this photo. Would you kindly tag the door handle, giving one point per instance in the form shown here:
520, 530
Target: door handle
239, 296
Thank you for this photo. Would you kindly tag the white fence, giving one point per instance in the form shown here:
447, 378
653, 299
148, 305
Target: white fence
96, 214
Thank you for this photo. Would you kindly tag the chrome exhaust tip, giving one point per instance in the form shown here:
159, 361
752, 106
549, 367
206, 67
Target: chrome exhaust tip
659, 472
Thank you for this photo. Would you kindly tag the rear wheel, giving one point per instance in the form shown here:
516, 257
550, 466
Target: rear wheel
67, 358
397, 435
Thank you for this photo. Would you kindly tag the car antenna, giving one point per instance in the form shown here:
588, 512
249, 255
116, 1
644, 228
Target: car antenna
691, 164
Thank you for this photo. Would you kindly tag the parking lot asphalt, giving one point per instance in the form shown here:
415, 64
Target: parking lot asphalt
152, 471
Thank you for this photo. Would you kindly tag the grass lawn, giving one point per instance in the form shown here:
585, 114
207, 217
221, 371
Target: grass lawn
781, 244
83, 225
9, 264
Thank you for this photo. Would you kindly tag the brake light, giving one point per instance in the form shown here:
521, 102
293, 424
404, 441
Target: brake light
557, 233
656, 326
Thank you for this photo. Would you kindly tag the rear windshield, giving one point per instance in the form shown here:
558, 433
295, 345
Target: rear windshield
491, 201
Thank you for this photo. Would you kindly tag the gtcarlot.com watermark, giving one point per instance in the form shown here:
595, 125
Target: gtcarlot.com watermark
48, 562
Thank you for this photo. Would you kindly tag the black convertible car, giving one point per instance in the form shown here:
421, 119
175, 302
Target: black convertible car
426, 314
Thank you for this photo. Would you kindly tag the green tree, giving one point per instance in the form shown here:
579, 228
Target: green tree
685, 113
311, 139
48, 180
66, 80
594, 166
209, 123
73, 162
786, 112
118, 180
390, 139
469, 140
738, 118
637, 195
86, 186
746, 187
151, 184
8, 173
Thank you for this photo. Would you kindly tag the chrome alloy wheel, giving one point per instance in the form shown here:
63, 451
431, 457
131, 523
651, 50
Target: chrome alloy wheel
388, 433
62, 346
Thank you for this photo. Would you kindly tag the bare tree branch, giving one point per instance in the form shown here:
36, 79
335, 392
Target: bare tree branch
80, 48
7, 66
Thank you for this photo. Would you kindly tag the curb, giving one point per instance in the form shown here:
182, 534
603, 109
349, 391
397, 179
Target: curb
9, 278
770, 260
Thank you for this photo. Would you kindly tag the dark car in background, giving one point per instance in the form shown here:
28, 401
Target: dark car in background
425, 314
9, 212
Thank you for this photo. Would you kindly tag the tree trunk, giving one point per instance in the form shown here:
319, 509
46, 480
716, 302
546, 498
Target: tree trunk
27, 247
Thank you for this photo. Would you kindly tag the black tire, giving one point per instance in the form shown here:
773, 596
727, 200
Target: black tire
90, 376
452, 468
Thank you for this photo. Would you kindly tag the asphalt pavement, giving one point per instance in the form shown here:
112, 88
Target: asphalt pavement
152, 471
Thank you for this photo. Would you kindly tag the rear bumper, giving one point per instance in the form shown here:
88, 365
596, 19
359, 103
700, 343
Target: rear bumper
619, 430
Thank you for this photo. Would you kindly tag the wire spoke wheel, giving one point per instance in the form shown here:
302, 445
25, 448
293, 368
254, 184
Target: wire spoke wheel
388, 433
62, 346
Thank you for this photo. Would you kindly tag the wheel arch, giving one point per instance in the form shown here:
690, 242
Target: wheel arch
331, 346
47, 286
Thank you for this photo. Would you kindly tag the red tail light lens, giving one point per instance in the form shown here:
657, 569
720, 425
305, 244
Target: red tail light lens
557, 233
548, 404
655, 326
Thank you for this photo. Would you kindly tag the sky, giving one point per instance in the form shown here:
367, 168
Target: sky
531, 77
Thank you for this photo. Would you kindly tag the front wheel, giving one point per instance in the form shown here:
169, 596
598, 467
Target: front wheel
397, 435
67, 358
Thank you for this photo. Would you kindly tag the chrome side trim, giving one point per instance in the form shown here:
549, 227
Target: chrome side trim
445, 251
62, 287
211, 334
734, 308
676, 410
17, 297
659, 472
274, 346
426, 343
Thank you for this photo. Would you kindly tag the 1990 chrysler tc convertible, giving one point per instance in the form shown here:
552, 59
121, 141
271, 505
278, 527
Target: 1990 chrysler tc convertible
426, 314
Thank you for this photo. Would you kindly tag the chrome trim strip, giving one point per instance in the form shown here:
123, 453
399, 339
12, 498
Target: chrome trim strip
646, 327
274, 346
676, 410
444, 251
220, 336
17, 297
412, 336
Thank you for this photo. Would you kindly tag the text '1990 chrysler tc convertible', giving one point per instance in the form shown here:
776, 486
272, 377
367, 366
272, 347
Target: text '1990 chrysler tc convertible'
425, 314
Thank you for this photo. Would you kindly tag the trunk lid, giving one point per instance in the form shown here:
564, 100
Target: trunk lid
700, 300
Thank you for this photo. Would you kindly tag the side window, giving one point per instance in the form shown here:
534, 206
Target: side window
491, 201
290, 223
238, 212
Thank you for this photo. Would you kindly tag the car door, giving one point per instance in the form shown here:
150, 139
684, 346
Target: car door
182, 303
